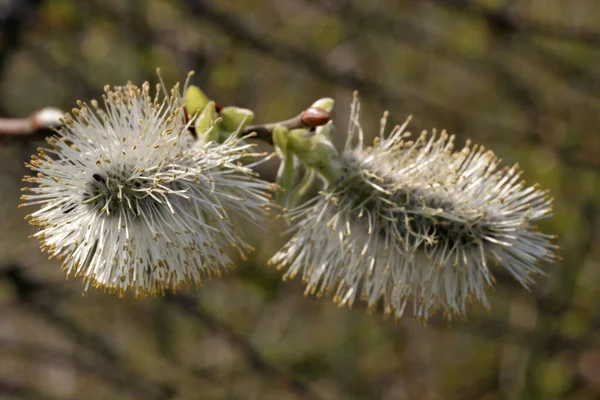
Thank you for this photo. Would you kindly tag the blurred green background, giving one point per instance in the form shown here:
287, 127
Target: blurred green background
520, 77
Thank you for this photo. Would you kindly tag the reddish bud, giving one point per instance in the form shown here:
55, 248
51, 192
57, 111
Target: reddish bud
315, 116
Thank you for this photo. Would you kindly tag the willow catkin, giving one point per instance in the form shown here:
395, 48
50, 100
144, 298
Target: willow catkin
130, 202
415, 222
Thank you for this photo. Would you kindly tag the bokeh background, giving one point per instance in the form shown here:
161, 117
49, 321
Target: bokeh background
520, 77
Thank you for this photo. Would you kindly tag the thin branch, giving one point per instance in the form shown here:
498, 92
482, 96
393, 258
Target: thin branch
265, 132
52, 117
309, 118
43, 119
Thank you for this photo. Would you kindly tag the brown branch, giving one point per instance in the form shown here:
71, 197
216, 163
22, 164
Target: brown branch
309, 118
42, 119
265, 132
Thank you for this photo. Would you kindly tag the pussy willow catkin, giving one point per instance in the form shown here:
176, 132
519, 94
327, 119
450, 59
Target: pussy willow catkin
129, 202
416, 222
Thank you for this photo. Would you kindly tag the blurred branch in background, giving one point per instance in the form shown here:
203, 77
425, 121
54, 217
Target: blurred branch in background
15, 390
230, 25
244, 33
108, 363
260, 364
502, 21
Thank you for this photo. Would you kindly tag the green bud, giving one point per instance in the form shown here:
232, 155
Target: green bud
315, 151
236, 118
206, 123
280, 140
296, 194
285, 176
310, 148
325, 130
325, 103
195, 100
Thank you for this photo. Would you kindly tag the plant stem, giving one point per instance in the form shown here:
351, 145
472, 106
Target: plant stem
302, 120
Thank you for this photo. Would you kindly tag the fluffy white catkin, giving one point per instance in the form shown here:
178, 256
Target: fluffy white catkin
415, 222
130, 203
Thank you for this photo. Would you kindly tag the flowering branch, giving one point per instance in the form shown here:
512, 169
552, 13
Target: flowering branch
399, 221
